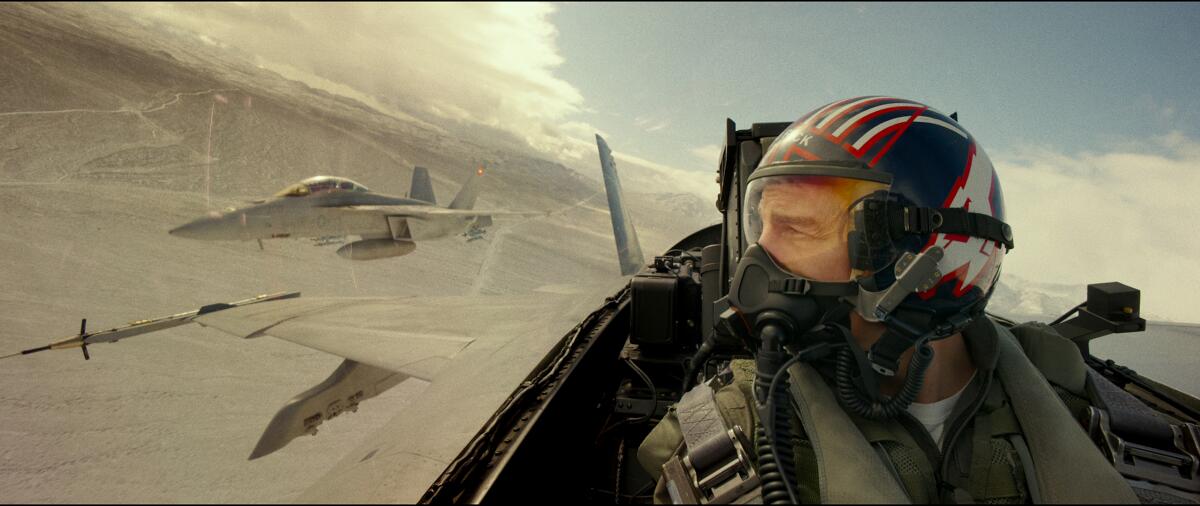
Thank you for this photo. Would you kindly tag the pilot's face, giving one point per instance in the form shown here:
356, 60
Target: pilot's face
805, 222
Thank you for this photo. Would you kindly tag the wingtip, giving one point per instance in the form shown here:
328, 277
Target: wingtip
262, 450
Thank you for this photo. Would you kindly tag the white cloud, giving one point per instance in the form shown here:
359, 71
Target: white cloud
488, 64
639, 174
708, 154
1127, 215
651, 124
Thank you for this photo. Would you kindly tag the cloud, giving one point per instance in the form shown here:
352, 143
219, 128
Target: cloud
1128, 215
486, 64
708, 154
639, 174
650, 124
482, 64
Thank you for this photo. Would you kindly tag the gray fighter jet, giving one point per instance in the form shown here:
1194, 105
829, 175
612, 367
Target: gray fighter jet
473, 369
551, 396
325, 207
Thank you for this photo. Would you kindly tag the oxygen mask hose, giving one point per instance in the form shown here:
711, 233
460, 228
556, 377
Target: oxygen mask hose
773, 437
854, 400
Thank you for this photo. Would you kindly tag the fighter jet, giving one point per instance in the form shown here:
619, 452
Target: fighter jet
326, 207
478, 373
550, 398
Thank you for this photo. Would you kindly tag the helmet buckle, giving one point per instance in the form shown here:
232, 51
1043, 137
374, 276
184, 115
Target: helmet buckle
920, 220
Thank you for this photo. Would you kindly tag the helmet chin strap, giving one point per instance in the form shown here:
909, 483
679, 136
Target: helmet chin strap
906, 328
914, 273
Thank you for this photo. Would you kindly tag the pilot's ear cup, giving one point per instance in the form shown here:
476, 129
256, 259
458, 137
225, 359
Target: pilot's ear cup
752, 291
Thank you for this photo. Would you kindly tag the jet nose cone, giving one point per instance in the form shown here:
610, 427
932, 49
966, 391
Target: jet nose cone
189, 230
203, 228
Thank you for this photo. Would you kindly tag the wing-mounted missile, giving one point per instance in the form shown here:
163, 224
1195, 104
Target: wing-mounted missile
371, 249
325, 240
351, 383
84, 338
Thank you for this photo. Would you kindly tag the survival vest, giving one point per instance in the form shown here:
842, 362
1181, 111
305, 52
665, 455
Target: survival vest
1015, 442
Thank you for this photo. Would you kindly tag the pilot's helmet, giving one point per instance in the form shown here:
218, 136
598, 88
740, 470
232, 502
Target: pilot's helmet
853, 188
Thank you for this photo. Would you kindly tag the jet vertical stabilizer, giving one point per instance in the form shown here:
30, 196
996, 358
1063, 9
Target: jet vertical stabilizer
466, 196
422, 187
629, 251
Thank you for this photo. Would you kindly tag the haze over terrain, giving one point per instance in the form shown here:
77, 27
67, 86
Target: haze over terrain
106, 146
115, 132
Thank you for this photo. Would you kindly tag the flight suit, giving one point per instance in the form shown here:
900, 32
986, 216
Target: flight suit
1009, 440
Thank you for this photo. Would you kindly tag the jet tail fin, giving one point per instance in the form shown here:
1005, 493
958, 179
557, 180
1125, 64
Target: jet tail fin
422, 187
466, 196
629, 251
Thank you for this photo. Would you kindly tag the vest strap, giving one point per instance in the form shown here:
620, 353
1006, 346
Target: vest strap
848, 468
699, 417
1067, 466
981, 456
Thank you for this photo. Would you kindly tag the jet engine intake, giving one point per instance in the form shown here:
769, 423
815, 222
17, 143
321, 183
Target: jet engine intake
371, 249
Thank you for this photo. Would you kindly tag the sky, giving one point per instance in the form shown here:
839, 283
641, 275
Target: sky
1076, 77
1089, 111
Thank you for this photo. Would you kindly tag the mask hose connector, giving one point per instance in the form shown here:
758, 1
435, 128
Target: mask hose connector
776, 456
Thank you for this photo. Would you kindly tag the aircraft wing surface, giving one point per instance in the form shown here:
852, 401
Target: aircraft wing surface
474, 350
414, 335
435, 212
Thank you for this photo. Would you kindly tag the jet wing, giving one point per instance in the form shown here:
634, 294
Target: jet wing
421, 212
381, 332
415, 335
474, 350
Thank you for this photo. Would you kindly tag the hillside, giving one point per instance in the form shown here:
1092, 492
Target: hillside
113, 134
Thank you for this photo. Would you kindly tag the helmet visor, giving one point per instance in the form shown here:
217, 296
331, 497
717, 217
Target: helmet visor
803, 222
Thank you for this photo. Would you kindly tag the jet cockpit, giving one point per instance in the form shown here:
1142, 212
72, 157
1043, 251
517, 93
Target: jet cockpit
319, 184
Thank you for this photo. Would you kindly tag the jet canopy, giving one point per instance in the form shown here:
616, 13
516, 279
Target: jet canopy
320, 184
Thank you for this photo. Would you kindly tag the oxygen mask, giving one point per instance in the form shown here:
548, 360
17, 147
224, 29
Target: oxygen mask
797, 269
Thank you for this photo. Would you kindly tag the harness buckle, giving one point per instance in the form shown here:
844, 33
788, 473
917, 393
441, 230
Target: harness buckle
1178, 467
718, 470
